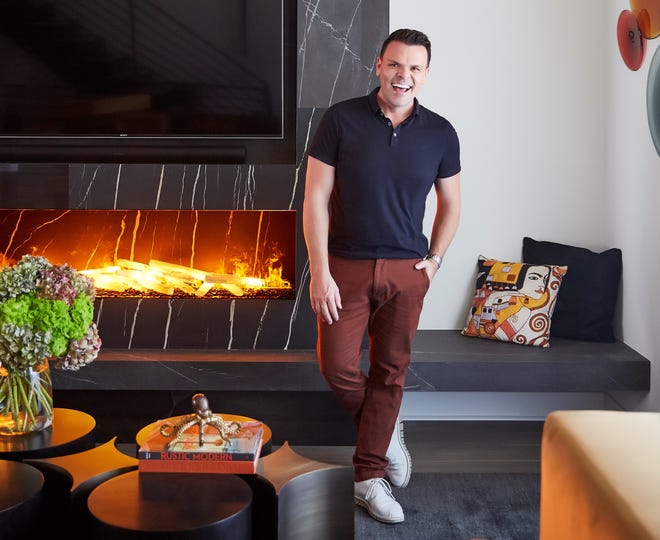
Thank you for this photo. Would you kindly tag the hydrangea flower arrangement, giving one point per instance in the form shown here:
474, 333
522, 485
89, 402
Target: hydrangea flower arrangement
46, 313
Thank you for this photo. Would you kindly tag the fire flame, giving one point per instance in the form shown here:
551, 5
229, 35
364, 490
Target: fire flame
164, 278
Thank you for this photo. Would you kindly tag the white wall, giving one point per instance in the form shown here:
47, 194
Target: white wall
633, 199
555, 144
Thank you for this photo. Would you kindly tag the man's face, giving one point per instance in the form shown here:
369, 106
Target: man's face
402, 71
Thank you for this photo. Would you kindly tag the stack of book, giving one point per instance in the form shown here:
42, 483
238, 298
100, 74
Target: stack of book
238, 456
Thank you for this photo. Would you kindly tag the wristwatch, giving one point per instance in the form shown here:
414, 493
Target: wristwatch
435, 258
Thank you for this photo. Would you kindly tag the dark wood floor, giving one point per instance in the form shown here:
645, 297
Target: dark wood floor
458, 446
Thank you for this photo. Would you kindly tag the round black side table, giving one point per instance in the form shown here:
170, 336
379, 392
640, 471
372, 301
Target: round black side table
171, 506
72, 431
20, 500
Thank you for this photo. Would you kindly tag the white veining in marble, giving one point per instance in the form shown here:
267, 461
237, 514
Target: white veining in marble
232, 311
302, 287
195, 184
160, 186
114, 204
135, 318
260, 325
167, 323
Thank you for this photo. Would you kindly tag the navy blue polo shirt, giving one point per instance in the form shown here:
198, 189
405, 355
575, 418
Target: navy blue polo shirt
382, 176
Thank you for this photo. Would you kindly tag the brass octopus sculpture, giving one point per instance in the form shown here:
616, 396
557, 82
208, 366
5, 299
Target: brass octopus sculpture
203, 417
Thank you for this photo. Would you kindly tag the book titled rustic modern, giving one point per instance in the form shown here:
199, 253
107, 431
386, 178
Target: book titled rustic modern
236, 453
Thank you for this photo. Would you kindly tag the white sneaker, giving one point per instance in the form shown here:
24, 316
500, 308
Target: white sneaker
376, 496
400, 467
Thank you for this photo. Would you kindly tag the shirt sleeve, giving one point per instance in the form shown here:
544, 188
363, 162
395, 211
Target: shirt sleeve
325, 142
451, 161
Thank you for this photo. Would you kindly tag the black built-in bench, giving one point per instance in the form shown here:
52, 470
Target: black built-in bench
447, 361
126, 389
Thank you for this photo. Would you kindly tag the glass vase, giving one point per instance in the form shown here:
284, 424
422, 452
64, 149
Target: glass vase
26, 399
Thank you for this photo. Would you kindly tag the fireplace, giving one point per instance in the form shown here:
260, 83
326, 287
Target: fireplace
219, 245
162, 253
167, 279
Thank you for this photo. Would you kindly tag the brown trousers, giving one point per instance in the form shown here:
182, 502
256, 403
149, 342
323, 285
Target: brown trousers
385, 298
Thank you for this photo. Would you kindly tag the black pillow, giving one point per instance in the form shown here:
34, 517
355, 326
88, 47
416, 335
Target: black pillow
587, 300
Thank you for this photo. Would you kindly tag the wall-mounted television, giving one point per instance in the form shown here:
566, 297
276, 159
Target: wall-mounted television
142, 81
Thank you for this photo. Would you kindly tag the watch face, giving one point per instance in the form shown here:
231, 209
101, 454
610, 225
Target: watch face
436, 258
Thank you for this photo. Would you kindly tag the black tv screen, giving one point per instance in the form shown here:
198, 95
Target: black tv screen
148, 81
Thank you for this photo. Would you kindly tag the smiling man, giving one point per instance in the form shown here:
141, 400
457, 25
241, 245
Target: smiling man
371, 165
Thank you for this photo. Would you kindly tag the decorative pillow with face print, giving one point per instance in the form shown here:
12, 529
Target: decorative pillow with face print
514, 301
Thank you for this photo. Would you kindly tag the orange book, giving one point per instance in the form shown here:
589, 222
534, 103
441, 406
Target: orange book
239, 456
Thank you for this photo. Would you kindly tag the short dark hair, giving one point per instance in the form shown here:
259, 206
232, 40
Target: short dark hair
409, 37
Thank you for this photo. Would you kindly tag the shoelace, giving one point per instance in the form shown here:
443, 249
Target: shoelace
386, 486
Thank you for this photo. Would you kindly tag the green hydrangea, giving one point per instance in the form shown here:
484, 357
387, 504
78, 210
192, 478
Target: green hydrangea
46, 311
46, 318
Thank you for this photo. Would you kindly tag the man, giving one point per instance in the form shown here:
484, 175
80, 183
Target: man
371, 166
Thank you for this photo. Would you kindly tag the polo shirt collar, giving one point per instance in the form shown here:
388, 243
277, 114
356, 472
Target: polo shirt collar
375, 107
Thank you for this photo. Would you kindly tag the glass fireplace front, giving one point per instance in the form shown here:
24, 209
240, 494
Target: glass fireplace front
162, 253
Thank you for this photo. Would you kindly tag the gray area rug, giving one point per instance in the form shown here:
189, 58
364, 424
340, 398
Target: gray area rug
443, 506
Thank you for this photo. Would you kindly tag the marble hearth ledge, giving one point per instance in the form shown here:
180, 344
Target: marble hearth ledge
190, 369
442, 360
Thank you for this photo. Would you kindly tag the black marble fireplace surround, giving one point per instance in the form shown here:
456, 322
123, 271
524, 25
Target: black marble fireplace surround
212, 345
